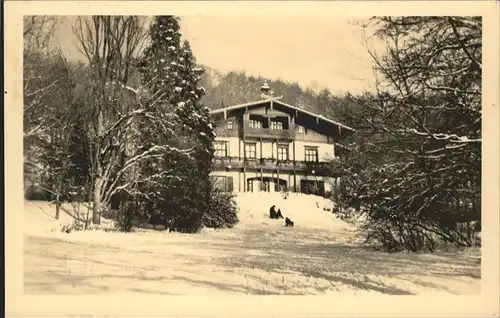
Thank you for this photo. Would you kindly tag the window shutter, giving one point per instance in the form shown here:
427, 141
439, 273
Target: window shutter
229, 184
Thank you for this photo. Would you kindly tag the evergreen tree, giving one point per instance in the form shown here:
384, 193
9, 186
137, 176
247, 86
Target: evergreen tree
198, 126
160, 63
170, 71
160, 70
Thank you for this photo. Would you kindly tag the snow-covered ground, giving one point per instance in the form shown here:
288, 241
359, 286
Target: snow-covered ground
320, 255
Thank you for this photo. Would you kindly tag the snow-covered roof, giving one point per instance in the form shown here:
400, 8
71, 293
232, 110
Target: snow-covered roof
277, 101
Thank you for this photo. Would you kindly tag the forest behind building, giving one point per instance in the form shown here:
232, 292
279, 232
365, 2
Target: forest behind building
127, 130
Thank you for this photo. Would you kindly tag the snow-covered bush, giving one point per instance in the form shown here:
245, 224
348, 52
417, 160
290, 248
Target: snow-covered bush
75, 226
222, 211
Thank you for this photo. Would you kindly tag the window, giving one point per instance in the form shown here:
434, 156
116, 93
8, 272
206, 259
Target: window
252, 123
282, 152
249, 185
301, 129
223, 183
230, 125
276, 125
221, 148
219, 181
311, 154
250, 150
229, 184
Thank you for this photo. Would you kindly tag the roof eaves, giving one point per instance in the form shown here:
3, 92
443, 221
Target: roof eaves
315, 115
220, 110
279, 101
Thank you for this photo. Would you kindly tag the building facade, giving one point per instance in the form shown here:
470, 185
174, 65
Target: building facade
269, 145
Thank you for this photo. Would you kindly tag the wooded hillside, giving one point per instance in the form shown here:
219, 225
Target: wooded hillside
233, 88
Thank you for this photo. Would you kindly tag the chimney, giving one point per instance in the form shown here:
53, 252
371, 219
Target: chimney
264, 90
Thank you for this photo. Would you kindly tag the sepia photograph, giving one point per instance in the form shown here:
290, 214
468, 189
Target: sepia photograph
148, 171
204, 154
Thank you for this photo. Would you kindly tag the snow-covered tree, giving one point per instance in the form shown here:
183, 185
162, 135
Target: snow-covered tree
198, 126
39, 79
160, 73
112, 46
176, 78
184, 195
415, 168
48, 93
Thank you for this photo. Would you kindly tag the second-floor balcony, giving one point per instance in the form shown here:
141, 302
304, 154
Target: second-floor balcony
284, 134
228, 163
261, 127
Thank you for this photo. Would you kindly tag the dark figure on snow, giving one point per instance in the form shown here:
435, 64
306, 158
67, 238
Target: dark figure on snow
272, 212
279, 215
288, 222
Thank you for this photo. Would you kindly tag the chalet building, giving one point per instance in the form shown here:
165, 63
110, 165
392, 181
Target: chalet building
269, 145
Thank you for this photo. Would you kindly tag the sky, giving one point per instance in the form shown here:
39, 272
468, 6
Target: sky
317, 52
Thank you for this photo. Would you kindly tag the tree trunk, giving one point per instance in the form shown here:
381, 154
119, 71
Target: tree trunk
58, 205
87, 218
58, 198
96, 206
98, 179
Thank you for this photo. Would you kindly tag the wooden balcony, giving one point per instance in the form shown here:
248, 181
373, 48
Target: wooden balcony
230, 163
268, 133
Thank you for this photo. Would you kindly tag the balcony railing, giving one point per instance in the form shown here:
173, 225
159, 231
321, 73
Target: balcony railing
228, 162
286, 134
319, 168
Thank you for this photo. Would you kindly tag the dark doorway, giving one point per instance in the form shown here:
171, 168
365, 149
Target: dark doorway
268, 184
312, 187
